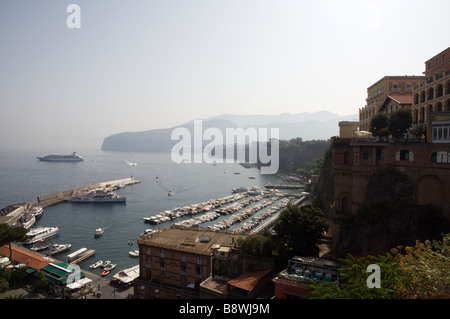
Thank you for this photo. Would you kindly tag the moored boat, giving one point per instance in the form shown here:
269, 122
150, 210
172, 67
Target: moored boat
96, 265
40, 247
109, 267
58, 248
37, 212
99, 196
26, 221
38, 233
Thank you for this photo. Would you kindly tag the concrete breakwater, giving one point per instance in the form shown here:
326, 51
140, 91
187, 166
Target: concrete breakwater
13, 212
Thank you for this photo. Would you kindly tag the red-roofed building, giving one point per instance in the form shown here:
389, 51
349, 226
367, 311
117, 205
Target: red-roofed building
23, 256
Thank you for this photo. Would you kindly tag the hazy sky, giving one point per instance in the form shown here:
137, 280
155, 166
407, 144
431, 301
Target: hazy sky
140, 65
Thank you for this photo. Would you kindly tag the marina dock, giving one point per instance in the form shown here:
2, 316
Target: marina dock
270, 186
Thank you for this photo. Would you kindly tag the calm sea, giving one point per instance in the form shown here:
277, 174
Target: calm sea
23, 178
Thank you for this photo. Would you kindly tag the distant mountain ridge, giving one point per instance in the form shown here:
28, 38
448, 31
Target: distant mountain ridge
309, 126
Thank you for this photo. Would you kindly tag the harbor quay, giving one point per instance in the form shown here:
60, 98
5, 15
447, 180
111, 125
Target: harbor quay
9, 215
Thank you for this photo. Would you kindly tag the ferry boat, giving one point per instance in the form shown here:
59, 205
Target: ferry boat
74, 157
38, 233
98, 197
26, 221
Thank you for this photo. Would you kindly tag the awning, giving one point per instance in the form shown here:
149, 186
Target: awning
127, 280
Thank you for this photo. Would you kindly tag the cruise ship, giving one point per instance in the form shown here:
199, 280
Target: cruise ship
74, 157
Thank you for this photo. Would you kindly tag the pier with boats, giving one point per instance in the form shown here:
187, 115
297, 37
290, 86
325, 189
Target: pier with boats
240, 207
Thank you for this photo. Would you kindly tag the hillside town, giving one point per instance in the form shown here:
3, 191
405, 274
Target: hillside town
183, 261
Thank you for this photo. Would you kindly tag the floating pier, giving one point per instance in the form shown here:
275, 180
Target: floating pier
83, 256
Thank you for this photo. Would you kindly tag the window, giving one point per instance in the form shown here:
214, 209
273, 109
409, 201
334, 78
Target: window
440, 157
441, 133
198, 270
404, 155
161, 263
380, 155
183, 267
162, 253
365, 156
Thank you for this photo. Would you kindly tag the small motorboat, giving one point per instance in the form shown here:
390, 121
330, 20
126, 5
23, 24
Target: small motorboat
104, 273
105, 263
109, 267
98, 232
134, 253
130, 243
40, 247
96, 265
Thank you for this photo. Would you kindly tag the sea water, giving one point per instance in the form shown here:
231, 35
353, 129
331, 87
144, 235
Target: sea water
23, 177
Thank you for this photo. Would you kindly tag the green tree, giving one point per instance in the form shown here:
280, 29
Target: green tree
399, 122
9, 234
379, 123
422, 271
257, 245
299, 229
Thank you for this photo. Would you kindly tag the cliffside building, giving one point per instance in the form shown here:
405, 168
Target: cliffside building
389, 89
193, 263
425, 160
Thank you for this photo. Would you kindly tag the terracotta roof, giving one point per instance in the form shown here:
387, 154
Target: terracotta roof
23, 256
248, 279
402, 99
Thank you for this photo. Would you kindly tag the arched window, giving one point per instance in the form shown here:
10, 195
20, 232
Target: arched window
422, 96
439, 90
416, 98
430, 94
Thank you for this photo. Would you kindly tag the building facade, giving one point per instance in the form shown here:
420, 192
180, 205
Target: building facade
397, 87
175, 261
432, 95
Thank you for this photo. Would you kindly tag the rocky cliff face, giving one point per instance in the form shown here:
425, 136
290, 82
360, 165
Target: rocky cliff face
389, 218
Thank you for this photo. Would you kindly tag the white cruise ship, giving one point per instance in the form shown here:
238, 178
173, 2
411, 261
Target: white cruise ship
38, 233
74, 157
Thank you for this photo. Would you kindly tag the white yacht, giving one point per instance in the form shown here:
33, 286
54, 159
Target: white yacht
58, 248
74, 157
39, 233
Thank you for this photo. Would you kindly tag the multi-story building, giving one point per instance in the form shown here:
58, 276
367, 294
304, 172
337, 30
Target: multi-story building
397, 88
174, 261
433, 94
424, 159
